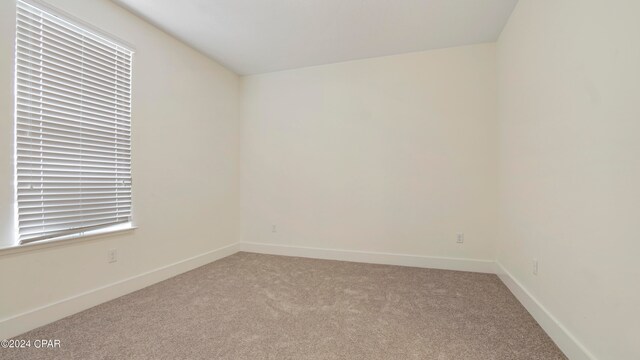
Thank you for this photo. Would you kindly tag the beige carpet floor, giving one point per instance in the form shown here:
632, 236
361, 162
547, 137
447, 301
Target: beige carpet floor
252, 306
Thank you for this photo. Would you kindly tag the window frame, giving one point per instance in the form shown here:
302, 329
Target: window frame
81, 28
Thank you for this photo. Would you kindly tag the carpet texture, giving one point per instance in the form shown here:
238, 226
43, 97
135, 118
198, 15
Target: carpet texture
253, 306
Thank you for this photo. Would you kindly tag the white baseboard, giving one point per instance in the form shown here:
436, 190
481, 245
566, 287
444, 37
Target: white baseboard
482, 266
568, 343
32, 319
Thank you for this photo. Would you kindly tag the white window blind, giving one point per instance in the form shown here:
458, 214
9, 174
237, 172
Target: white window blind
73, 127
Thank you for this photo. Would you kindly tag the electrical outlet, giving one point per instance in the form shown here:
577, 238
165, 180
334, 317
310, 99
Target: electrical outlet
460, 238
535, 266
112, 256
274, 228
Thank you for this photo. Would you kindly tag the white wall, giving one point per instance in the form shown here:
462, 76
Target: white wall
394, 154
569, 91
185, 166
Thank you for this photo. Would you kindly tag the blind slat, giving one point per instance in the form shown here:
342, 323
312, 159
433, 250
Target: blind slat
32, 116
74, 133
58, 92
93, 197
44, 133
84, 203
31, 109
29, 95
66, 155
56, 77
28, 164
77, 162
55, 217
64, 225
63, 89
51, 144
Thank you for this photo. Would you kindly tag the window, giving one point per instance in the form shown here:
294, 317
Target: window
73, 128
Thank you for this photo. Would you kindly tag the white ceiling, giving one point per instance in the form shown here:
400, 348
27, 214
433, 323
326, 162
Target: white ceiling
258, 36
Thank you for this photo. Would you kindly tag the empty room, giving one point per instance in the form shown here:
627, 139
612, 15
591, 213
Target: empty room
320, 179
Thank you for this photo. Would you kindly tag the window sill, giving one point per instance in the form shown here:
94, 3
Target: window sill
67, 239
